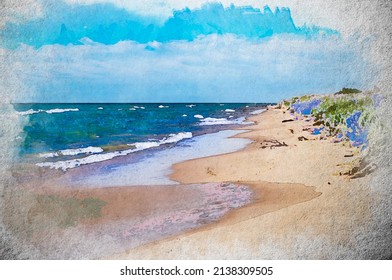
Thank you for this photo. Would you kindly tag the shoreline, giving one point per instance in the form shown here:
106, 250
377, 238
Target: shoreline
107, 171
316, 186
263, 166
101, 149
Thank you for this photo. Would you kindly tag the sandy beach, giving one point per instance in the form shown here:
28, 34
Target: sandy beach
304, 208
195, 130
286, 195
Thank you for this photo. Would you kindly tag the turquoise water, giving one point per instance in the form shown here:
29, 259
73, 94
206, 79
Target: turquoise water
65, 136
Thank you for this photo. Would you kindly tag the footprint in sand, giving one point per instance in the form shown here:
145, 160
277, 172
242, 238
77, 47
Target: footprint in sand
210, 171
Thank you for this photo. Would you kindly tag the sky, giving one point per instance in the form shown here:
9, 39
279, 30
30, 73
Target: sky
178, 51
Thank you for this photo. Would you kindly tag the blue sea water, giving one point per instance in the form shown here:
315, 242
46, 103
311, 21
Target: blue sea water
65, 136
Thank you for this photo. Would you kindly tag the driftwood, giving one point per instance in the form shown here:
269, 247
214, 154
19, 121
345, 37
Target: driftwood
348, 155
273, 144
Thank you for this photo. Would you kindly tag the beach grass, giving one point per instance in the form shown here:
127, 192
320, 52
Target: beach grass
344, 112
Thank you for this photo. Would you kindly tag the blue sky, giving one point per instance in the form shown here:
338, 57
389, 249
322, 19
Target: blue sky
106, 51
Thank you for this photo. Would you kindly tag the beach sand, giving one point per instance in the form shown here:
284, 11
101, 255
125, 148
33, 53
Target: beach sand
304, 208
294, 203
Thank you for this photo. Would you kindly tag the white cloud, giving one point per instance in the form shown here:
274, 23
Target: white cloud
210, 69
348, 17
364, 19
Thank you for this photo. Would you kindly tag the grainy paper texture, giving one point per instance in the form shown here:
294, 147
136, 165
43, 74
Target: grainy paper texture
33, 70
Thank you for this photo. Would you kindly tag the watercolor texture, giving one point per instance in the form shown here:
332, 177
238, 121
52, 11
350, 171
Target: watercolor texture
247, 129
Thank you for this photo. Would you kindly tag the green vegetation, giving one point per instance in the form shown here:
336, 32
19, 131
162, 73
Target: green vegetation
333, 112
289, 102
345, 113
348, 91
286, 103
66, 212
305, 98
348, 115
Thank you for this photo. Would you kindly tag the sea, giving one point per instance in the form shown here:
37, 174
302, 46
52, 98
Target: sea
117, 138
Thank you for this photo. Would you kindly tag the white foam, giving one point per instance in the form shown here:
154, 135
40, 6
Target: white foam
184, 115
222, 121
56, 111
215, 121
132, 109
139, 146
100, 108
198, 116
161, 106
142, 108
191, 105
174, 138
229, 110
29, 112
72, 152
67, 164
162, 161
258, 112
51, 111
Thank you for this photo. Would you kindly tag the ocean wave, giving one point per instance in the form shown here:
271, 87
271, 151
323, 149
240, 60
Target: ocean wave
55, 111
258, 112
222, 121
161, 106
173, 138
51, 111
72, 152
229, 110
98, 157
198, 116
141, 107
29, 112
68, 164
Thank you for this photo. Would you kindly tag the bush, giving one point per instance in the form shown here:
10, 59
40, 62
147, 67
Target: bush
346, 116
348, 91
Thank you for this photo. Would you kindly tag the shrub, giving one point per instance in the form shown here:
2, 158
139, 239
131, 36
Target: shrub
348, 91
346, 116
